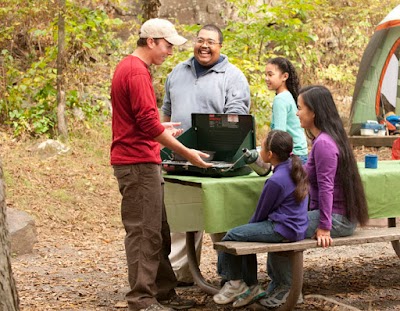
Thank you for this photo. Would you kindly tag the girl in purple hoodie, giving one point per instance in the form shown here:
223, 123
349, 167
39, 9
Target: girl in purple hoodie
280, 216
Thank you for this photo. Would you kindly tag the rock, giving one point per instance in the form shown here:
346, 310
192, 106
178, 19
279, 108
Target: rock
50, 148
22, 231
188, 12
199, 12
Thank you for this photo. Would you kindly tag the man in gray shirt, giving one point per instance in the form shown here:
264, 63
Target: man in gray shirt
205, 83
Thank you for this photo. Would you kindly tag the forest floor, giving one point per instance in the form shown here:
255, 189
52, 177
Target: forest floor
78, 262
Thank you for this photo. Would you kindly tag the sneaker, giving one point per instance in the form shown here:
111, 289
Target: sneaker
253, 294
178, 303
229, 292
277, 298
156, 307
222, 282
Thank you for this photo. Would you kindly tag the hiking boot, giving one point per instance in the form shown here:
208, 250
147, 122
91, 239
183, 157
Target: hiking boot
177, 303
277, 298
229, 292
156, 307
253, 294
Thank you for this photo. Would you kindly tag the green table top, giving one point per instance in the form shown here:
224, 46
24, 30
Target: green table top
227, 202
382, 188
230, 201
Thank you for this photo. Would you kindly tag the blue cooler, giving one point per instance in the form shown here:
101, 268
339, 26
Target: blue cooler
372, 128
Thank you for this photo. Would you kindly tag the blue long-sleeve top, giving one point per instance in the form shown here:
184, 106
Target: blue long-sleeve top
278, 204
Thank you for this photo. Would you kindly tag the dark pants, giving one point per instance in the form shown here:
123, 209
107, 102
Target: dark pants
147, 240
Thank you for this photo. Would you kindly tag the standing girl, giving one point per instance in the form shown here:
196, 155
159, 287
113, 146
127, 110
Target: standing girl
281, 215
282, 78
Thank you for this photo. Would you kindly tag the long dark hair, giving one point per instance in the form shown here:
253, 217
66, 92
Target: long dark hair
293, 81
320, 101
281, 144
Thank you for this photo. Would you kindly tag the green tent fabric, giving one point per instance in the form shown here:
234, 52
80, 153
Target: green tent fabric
378, 74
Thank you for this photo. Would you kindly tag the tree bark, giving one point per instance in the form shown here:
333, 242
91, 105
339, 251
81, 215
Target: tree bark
8, 292
61, 118
150, 9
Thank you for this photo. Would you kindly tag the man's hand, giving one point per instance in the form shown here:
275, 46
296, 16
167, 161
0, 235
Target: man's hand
323, 237
171, 128
192, 155
195, 157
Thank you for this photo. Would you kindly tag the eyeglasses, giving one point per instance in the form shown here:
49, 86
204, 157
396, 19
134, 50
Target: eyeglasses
201, 41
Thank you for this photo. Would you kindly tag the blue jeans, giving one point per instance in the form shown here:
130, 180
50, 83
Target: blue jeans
341, 226
279, 269
303, 158
244, 267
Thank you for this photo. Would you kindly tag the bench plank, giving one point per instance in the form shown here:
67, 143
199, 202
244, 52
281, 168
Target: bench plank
360, 236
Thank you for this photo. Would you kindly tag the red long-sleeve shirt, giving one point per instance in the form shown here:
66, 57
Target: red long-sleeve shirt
135, 117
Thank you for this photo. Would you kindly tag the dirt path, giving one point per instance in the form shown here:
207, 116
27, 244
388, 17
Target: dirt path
79, 261
90, 274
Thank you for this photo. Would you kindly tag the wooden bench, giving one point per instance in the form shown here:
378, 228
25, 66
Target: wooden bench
295, 252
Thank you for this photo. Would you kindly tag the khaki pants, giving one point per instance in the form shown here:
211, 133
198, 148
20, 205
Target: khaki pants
147, 240
178, 255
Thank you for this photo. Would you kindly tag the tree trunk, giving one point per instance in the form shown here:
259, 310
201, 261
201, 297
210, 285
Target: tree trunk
8, 292
150, 8
61, 118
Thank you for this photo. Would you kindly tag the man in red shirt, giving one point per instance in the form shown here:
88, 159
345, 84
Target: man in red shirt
135, 155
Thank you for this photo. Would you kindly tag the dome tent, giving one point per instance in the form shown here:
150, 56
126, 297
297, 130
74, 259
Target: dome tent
377, 89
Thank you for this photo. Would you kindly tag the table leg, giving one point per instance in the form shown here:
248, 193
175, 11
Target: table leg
194, 267
395, 244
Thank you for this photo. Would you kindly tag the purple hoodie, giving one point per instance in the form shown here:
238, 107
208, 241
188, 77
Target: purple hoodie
277, 203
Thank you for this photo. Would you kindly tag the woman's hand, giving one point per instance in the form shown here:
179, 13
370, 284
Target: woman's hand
323, 237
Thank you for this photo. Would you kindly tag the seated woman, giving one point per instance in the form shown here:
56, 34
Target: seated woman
280, 216
337, 198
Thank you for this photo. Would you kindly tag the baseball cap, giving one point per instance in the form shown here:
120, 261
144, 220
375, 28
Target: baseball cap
161, 28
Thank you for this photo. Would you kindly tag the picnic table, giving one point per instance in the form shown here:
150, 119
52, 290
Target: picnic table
216, 205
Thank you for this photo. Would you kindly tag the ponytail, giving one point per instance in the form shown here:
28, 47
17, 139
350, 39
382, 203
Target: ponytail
300, 178
281, 144
293, 81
